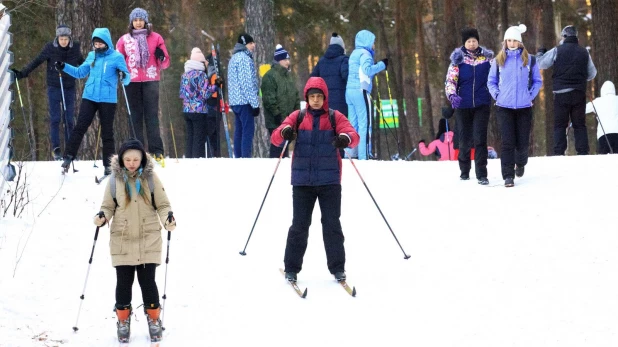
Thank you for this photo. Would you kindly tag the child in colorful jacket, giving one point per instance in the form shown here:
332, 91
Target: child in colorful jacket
442, 146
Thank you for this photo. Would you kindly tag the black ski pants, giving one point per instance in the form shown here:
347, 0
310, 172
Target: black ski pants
604, 148
570, 106
87, 110
213, 126
125, 275
195, 132
515, 126
473, 123
144, 103
303, 201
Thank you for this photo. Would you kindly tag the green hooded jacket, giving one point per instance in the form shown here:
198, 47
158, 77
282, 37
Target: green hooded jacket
279, 95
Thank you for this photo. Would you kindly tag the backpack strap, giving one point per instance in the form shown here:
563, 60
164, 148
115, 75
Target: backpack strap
112, 188
331, 117
151, 187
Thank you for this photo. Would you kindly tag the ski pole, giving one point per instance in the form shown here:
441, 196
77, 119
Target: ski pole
406, 256
448, 140
170, 119
230, 145
410, 154
611, 150
96, 147
390, 97
124, 91
267, 189
96, 235
64, 117
23, 112
170, 218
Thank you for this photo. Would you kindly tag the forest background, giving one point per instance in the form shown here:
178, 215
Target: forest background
417, 36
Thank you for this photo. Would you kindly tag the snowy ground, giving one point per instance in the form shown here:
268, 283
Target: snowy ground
533, 265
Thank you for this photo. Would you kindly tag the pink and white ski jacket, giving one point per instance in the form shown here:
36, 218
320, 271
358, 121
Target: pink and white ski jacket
126, 45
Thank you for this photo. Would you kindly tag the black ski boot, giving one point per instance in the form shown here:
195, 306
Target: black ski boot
107, 171
67, 162
519, 171
154, 324
483, 181
340, 276
290, 276
509, 182
124, 323
464, 176
57, 154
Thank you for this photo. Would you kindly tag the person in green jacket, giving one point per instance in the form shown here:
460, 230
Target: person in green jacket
279, 95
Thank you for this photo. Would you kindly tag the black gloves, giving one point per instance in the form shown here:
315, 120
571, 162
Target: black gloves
288, 134
542, 50
256, 112
447, 112
159, 54
18, 74
342, 141
59, 65
385, 61
219, 81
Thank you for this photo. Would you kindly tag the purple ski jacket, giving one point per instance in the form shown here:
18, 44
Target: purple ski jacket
516, 87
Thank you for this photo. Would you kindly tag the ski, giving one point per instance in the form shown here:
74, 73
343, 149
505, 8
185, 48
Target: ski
98, 180
302, 294
351, 291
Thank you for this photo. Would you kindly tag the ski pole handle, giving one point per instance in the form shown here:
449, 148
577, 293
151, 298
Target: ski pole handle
96, 233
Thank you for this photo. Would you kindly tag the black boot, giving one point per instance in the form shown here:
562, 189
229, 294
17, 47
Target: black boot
290, 276
67, 162
340, 276
519, 171
57, 154
107, 171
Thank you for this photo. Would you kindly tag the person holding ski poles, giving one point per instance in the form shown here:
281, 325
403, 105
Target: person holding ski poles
136, 204
607, 107
514, 81
102, 66
466, 89
358, 90
63, 49
146, 55
442, 146
316, 175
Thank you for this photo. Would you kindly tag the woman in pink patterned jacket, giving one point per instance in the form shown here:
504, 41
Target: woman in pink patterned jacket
145, 54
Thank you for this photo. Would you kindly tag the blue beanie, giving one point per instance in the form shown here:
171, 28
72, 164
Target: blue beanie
138, 13
281, 54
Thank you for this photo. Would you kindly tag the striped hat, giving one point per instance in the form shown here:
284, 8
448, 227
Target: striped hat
281, 54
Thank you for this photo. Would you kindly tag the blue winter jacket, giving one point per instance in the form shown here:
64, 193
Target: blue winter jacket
362, 69
467, 76
333, 67
102, 80
514, 88
242, 79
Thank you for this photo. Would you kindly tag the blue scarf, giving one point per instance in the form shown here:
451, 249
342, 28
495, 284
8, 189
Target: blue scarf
138, 181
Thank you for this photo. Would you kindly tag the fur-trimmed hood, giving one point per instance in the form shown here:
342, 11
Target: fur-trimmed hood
457, 57
117, 170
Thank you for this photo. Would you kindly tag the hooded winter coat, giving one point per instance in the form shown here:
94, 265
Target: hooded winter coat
514, 89
135, 237
315, 161
334, 67
279, 95
467, 76
102, 82
361, 66
607, 108
242, 78
127, 44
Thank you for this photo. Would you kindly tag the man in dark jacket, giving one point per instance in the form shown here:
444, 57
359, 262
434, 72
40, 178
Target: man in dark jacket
279, 95
333, 68
65, 50
573, 67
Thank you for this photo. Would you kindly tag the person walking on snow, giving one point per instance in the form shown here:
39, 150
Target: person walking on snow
136, 215
607, 108
514, 81
243, 95
146, 55
63, 49
333, 67
103, 65
573, 67
442, 146
466, 89
358, 90
316, 175
279, 95
195, 90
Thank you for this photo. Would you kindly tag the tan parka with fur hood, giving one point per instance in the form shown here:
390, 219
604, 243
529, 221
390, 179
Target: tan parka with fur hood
135, 226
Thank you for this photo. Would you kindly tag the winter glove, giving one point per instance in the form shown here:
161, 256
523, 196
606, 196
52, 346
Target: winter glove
385, 61
59, 65
447, 112
18, 74
342, 141
159, 54
542, 51
455, 100
256, 112
288, 134
99, 219
219, 81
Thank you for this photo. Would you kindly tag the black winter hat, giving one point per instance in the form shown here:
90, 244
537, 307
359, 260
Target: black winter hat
132, 144
245, 39
97, 39
312, 91
467, 33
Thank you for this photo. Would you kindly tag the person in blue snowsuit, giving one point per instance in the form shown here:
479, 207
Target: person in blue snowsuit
358, 89
102, 66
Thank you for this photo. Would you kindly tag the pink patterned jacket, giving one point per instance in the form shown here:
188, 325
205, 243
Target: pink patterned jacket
127, 45
444, 145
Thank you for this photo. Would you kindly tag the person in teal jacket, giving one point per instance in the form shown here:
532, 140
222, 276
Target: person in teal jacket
102, 66
358, 89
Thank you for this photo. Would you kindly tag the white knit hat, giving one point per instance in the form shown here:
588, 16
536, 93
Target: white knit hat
514, 33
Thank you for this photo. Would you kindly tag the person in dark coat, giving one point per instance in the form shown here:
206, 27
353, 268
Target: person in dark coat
333, 68
63, 49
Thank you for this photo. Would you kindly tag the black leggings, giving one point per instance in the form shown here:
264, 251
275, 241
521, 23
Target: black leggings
125, 275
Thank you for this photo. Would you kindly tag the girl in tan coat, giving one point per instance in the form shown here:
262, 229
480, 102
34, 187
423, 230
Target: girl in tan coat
135, 240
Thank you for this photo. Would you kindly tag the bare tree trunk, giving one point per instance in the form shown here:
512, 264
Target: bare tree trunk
424, 67
548, 40
260, 25
604, 33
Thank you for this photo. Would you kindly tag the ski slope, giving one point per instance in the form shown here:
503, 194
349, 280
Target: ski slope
533, 265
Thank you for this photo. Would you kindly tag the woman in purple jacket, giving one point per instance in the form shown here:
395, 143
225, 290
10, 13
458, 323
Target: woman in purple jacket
514, 81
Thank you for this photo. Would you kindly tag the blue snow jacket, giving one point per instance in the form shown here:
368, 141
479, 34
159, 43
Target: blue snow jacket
513, 88
362, 69
102, 71
242, 79
333, 67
